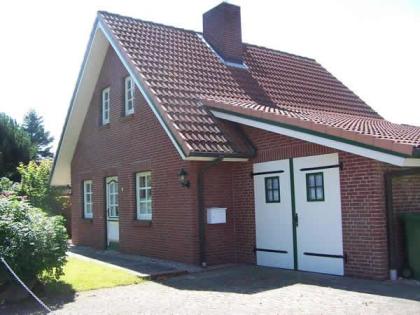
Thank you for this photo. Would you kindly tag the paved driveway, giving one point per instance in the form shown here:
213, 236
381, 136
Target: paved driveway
251, 290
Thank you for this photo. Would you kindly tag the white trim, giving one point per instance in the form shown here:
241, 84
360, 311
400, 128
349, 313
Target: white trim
134, 75
128, 95
212, 158
148, 192
410, 162
369, 153
86, 192
106, 109
79, 104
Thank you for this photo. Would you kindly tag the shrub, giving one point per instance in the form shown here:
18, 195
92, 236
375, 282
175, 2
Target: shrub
31, 242
9, 189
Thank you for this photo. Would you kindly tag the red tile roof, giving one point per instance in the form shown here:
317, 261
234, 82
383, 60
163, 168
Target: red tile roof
182, 72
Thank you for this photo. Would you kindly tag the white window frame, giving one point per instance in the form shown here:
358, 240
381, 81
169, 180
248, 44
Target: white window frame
87, 199
105, 105
147, 201
129, 95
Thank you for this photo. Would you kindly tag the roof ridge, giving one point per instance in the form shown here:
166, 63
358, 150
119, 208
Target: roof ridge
200, 32
280, 51
103, 12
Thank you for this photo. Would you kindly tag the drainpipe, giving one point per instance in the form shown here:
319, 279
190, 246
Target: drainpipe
390, 227
201, 210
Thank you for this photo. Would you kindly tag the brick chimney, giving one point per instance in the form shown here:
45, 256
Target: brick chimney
222, 30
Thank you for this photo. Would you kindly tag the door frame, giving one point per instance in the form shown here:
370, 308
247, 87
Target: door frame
105, 203
293, 199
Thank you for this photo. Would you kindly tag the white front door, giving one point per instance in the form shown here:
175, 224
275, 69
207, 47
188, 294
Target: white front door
112, 210
302, 228
318, 209
273, 214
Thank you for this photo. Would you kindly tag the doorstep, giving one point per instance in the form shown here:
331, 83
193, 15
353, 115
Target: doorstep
144, 267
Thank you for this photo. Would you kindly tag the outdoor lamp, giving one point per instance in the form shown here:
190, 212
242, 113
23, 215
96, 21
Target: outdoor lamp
183, 178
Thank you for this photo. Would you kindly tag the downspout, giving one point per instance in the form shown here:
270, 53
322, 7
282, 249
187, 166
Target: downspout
390, 227
201, 210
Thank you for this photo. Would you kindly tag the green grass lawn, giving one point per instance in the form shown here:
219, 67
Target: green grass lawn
82, 275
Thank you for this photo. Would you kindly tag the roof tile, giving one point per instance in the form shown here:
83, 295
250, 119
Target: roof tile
183, 72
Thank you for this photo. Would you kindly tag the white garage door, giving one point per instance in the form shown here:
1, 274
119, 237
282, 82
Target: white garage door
298, 214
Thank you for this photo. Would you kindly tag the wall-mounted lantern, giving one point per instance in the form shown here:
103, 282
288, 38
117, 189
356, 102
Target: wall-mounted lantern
183, 178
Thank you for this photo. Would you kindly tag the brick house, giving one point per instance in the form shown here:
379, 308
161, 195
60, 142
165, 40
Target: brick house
252, 155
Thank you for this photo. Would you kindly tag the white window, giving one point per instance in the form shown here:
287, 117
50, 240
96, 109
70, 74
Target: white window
129, 96
144, 195
87, 199
105, 106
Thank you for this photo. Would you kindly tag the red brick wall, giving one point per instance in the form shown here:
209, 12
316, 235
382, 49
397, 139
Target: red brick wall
364, 217
129, 145
220, 245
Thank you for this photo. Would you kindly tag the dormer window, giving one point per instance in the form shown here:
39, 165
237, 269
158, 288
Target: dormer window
105, 106
129, 96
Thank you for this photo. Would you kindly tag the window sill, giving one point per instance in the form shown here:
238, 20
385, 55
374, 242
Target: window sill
145, 223
106, 126
88, 220
127, 117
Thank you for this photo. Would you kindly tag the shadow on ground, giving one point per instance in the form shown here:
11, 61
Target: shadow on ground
63, 294
139, 264
250, 279
246, 280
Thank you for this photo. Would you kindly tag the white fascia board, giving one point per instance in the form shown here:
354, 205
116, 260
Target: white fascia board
369, 153
79, 105
209, 158
133, 73
410, 162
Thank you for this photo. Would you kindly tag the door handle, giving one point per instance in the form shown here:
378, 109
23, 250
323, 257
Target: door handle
296, 218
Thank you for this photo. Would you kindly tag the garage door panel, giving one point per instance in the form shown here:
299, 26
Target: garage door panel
279, 260
273, 218
319, 230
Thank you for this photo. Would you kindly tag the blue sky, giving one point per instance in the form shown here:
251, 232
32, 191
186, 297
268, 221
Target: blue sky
372, 46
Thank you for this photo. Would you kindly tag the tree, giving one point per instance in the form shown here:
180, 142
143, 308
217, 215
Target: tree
33, 124
15, 147
35, 186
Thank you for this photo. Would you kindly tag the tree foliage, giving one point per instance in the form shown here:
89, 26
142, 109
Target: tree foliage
30, 241
33, 124
15, 147
35, 186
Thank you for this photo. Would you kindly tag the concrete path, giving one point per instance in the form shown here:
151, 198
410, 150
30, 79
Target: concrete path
249, 290
146, 267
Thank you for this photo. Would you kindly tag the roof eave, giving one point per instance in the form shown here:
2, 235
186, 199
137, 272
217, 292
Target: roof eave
69, 110
368, 150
